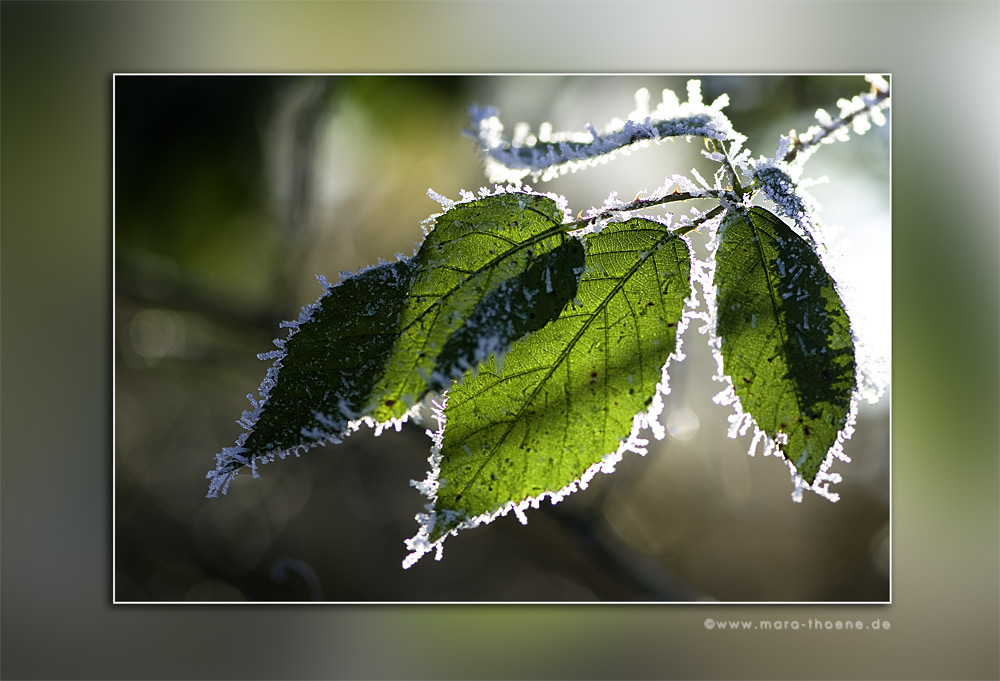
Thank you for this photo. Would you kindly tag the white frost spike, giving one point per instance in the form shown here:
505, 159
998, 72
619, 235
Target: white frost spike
706, 185
878, 118
641, 105
694, 93
420, 544
445, 202
784, 144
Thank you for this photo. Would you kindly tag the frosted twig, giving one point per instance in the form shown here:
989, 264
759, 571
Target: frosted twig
727, 163
548, 155
693, 225
872, 102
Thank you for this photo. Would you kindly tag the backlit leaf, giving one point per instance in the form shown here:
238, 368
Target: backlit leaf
786, 339
567, 396
473, 248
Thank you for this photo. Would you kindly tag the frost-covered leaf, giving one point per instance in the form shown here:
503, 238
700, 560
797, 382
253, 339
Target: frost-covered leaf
519, 306
569, 398
324, 372
786, 340
473, 249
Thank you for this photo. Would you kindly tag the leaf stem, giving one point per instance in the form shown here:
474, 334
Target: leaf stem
705, 217
733, 177
636, 204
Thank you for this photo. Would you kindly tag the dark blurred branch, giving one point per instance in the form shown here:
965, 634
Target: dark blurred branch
304, 128
644, 573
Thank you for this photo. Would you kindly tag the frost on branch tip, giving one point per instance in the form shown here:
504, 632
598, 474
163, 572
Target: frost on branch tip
548, 154
777, 181
858, 113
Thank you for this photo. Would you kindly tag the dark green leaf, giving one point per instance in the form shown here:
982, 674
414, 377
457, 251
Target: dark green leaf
325, 371
785, 337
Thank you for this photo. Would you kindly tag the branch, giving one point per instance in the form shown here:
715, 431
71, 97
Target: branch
548, 155
874, 101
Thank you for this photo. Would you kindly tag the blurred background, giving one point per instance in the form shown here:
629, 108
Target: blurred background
232, 192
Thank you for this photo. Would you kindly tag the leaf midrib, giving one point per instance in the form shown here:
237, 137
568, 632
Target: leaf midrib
779, 315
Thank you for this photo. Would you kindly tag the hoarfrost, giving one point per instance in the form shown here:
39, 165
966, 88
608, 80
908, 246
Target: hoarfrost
445, 202
549, 155
777, 179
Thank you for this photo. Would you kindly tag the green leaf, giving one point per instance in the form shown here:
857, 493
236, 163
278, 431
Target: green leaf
324, 373
473, 248
785, 337
572, 394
